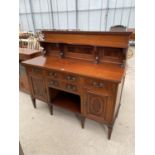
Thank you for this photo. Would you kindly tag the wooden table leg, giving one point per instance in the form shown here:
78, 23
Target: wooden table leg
50, 108
110, 128
33, 101
83, 121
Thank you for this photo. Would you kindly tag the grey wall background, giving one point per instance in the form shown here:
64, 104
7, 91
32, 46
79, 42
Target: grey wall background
91, 15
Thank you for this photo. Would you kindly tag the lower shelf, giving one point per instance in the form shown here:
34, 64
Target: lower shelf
67, 101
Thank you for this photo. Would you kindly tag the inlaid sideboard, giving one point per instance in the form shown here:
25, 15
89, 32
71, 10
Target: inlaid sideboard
83, 72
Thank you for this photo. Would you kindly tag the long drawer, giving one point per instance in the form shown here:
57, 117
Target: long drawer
70, 78
54, 74
62, 76
99, 85
62, 85
73, 88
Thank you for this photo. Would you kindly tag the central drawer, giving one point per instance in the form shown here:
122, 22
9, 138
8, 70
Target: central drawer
54, 74
62, 85
62, 76
73, 88
70, 78
54, 83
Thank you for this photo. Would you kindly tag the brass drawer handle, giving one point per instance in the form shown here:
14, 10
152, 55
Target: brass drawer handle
71, 87
54, 83
98, 84
53, 74
71, 78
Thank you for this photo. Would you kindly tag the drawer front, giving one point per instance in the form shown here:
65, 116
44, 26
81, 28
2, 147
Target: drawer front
35, 71
53, 74
70, 78
70, 87
38, 87
98, 85
54, 83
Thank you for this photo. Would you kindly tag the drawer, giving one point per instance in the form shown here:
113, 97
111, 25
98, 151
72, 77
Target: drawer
54, 83
35, 71
70, 87
98, 85
70, 78
53, 74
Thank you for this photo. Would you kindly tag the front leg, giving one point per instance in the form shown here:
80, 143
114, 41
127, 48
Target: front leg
83, 121
33, 101
110, 128
50, 108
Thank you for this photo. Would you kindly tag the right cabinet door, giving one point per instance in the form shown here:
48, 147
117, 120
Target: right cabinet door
95, 106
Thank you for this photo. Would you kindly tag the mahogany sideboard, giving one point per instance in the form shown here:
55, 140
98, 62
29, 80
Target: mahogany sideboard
25, 54
83, 72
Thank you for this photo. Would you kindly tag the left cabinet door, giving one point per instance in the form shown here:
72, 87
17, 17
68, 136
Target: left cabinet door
38, 87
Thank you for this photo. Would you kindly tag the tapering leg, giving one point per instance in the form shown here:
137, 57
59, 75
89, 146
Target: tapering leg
82, 121
118, 110
110, 128
116, 114
33, 101
51, 108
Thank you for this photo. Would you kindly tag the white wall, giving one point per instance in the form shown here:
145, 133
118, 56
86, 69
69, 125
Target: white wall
91, 15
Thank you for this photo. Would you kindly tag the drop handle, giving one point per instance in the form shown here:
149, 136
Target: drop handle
71, 87
98, 84
54, 83
53, 74
51, 82
68, 87
70, 78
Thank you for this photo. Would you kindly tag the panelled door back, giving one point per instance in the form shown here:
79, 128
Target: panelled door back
39, 89
96, 106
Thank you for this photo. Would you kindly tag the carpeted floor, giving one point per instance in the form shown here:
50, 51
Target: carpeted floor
61, 134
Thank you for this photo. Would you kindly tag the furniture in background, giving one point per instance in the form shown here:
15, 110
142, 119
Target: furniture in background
25, 54
29, 40
121, 28
23, 39
118, 28
132, 36
83, 72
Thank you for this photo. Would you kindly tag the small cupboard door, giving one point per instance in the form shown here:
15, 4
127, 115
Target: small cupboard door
95, 106
39, 88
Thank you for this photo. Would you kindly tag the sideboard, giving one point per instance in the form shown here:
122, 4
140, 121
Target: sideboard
82, 72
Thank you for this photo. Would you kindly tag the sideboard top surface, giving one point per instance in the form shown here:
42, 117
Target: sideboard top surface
105, 71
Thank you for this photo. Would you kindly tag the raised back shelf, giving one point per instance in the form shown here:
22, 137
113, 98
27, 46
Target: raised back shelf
97, 47
106, 39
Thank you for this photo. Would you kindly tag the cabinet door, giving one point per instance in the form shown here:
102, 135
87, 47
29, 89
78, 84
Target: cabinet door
39, 88
95, 106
